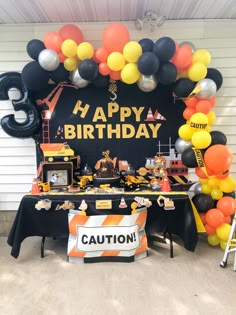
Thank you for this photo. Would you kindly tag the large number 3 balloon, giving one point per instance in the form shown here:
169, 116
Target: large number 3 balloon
32, 123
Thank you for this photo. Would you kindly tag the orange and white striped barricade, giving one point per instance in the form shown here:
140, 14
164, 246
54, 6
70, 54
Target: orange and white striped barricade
107, 237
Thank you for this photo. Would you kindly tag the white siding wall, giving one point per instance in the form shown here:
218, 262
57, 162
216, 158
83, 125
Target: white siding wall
17, 157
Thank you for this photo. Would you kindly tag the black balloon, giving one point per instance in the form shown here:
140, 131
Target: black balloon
230, 194
189, 158
218, 137
164, 48
34, 48
203, 202
216, 76
166, 73
60, 74
88, 69
35, 77
146, 44
10, 80
148, 63
32, 123
183, 87
101, 81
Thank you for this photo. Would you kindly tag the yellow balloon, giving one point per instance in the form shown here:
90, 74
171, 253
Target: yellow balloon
211, 118
116, 61
208, 128
206, 189
201, 55
130, 73
213, 181
216, 193
227, 184
223, 231
185, 132
71, 64
213, 240
197, 71
69, 48
198, 121
132, 51
85, 51
201, 139
223, 244
203, 180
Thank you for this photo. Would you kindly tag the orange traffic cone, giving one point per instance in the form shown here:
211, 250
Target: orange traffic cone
35, 188
166, 184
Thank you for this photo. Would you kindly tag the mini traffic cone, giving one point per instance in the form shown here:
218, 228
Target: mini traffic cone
122, 203
83, 207
166, 184
35, 188
150, 116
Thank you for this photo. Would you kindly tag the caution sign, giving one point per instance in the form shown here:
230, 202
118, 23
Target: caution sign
107, 237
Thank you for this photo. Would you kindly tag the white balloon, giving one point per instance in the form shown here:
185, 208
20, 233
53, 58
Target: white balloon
208, 88
147, 83
181, 145
77, 80
197, 188
48, 60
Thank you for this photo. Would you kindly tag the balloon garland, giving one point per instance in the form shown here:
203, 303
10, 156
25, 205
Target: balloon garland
65, 56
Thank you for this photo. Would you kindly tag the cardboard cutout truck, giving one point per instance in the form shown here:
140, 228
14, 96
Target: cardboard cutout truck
56, 151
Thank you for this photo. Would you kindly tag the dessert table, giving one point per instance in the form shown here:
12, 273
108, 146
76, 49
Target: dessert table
46, 215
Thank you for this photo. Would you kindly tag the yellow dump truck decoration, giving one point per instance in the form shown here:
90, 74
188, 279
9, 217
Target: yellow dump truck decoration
53, 151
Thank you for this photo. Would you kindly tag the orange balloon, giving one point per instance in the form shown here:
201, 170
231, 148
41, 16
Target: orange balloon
212, 100
115, 75
191, 102
227, 205
182, 57
218, 158
228, 219
209, 229
101, 54
52, 40
103, 68
71, 31
188, 112
114, 37
203, 106
222, 175
214, 217
200, 173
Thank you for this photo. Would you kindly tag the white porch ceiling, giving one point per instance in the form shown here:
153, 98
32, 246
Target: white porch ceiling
60, 11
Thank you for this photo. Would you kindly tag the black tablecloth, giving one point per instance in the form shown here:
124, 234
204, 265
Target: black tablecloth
54, 222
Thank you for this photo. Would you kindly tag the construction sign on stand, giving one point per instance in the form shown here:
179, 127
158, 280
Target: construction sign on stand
107, 237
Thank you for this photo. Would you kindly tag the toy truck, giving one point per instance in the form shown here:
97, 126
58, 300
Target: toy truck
56, 151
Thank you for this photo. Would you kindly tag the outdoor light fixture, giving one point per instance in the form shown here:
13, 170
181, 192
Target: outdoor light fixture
151, 19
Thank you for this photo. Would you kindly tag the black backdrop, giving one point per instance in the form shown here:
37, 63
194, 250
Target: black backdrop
95, 102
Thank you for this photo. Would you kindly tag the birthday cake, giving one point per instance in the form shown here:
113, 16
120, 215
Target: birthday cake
106, 172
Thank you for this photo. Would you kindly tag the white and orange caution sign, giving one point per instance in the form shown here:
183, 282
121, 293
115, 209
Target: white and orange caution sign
108, 237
